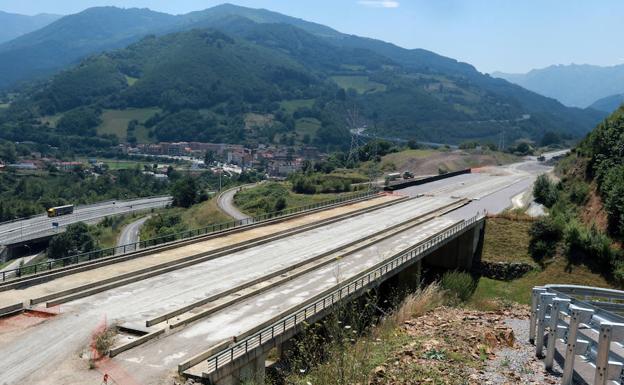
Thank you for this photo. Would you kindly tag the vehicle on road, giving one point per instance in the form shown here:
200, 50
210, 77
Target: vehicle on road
393, 176
408, 175
60, 210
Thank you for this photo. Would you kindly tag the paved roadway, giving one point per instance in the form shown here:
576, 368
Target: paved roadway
41, 225
130, 233
225, 202
49, 352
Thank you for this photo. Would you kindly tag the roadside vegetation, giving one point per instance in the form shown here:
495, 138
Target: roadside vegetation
273, 197
22, 196
586, 207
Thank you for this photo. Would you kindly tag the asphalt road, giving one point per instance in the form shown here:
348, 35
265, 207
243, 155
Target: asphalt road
41, 225
225, 202
130, 233
50, 352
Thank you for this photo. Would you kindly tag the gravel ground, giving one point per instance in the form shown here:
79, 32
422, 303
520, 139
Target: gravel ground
518, 364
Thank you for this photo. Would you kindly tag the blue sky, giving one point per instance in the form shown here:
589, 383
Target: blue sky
506, 35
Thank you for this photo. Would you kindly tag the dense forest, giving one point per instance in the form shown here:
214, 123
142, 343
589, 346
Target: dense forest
300, 78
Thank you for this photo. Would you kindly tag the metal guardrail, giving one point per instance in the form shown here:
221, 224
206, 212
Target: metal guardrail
588, 322
123, 249
256, 340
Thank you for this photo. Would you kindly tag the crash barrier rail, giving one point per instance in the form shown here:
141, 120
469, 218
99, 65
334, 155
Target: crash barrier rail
588, 324
131, 247
347, 288
418, 182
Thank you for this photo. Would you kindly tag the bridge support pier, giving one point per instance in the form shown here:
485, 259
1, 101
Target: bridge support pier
460, 253
253, 370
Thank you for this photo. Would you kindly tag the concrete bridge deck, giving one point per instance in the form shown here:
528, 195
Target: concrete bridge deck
55, 349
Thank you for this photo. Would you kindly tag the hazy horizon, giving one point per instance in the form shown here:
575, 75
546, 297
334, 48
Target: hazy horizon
506, 36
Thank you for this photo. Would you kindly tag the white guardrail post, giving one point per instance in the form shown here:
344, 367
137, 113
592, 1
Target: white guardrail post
608, 370
545, 299
534, 305
558, 306
574, 347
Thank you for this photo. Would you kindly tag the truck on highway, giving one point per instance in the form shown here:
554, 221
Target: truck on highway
60, 210
393, 176
408, 175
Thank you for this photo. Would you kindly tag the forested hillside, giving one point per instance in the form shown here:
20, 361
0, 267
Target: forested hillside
586, 220
249, 76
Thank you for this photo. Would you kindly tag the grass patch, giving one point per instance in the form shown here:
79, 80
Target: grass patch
107, 232
307, 126
290, 106
172, 220
507, 240
403, 157
557, 271
116, 122
204, 214
130, 80
361, 84
51, 120
123, 164
274, 196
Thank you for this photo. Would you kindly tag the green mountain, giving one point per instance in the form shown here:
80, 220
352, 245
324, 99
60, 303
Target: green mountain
14, 25
573, 85
71, 38
246, 75
609, 103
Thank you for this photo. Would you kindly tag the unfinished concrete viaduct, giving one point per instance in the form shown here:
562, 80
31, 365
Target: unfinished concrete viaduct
210, 307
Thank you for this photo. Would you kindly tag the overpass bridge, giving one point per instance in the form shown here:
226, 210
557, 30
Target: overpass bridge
14, 234
209, 308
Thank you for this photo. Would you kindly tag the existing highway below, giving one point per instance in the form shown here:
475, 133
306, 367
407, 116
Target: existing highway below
231, 283
41, 226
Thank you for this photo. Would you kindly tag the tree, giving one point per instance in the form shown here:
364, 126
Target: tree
76, 239
185, 192
549, 138
209, 157
545, 233
545, 191
413, 144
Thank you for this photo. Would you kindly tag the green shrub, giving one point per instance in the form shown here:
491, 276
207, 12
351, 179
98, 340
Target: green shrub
612, 191
545, 191
545, 234
579, 192
458, 284
590, 245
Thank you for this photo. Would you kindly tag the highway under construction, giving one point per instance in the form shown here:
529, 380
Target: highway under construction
179, 307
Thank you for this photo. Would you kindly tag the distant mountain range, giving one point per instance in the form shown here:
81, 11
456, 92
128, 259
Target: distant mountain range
573, 85
14, 25
608, 104
208, 71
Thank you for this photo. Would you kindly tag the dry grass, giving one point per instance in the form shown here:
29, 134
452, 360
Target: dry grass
418, 303
349, 359
507, 239
105, 340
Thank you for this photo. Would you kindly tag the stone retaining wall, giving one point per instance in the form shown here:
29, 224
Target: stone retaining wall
504, 271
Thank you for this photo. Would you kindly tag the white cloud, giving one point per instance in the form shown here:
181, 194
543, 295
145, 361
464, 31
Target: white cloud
379, 3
